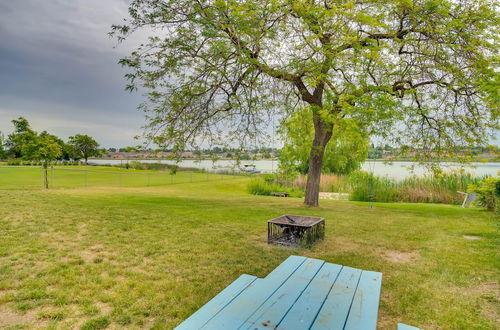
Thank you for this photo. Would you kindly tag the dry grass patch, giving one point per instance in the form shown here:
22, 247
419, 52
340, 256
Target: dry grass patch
12, 318
399, 257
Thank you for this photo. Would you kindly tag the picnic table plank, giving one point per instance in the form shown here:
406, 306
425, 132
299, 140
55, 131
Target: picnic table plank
244, 305
216, 304
301, 293
335, 309
402, 326
364, 309
287, 267
269, 314
302, 314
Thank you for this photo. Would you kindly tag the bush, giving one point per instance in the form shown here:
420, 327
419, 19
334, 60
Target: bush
268, 178
488, 193
15, 162
173, 170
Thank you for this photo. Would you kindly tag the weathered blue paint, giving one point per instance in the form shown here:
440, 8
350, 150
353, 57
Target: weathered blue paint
286, 267
364, 308
304, 311
211, 308
402, 326
335, 309
274, 309
243, 306
301, 293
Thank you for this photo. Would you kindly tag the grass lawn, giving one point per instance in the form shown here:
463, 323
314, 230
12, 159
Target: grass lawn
96, 176
147, 257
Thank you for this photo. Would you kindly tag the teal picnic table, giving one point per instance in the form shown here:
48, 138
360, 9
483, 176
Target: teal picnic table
301, 293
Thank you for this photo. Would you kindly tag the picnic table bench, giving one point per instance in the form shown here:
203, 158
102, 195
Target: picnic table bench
301, 293
279, 194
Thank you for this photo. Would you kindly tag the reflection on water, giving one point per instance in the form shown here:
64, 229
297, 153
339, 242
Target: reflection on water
397, 170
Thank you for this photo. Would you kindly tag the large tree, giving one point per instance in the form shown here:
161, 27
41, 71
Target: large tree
22, 135
83, 146
46, 148
421, 72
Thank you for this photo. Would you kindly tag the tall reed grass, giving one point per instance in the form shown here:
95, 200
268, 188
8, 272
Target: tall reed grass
363, 186
369, 188
440, 188
328, 183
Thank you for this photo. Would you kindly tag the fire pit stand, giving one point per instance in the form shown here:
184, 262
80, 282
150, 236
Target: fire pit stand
295, 230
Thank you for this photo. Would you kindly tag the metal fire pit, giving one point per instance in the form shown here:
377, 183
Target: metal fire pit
295, 230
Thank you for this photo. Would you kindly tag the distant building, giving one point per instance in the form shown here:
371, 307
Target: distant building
187, 154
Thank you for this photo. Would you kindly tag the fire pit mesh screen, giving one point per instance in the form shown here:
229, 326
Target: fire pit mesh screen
295, 230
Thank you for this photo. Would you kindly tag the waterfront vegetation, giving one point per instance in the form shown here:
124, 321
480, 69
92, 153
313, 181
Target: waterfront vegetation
134, 256
441, 187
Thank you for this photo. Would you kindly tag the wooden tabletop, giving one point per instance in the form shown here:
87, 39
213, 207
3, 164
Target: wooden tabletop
301, 293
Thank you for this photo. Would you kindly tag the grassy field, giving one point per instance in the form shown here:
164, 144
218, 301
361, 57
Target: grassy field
97, 176
147, 257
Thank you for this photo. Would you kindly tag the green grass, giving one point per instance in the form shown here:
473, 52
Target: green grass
148, 257
97, 176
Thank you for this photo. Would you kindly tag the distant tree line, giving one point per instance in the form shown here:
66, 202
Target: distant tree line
25, 143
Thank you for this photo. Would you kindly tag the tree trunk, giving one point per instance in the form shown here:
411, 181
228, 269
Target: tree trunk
45, 176
322, 135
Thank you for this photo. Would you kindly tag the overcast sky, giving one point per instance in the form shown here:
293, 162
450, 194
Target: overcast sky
58, 69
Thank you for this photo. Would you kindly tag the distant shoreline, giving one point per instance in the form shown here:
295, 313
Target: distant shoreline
270, 159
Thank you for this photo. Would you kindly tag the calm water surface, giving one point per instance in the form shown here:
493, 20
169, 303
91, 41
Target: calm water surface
397, 170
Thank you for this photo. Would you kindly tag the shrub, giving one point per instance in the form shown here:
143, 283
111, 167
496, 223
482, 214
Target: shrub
268, 178
173, 170
488, 193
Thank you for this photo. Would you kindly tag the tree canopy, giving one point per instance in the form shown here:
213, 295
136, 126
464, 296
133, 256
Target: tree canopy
344, 153
22, 136
84, 146
44, 147
422, 73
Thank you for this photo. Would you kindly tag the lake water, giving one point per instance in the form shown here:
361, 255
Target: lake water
397, 170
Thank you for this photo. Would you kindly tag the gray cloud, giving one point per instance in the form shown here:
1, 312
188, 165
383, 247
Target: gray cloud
58, 68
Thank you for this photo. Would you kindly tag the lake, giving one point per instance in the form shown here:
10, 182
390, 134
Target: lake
397, 170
